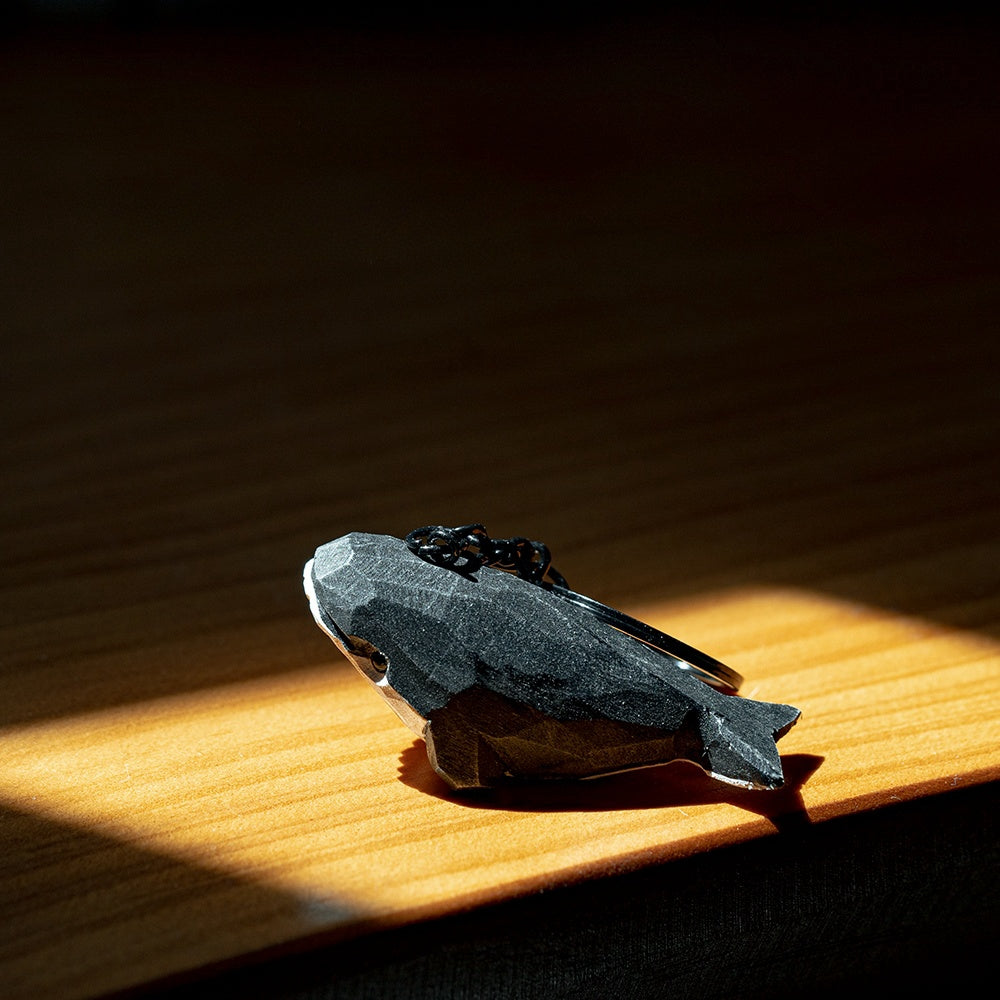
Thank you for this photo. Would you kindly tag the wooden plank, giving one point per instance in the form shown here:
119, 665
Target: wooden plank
307, 784
737, 385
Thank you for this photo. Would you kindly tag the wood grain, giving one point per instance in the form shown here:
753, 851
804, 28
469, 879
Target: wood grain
710, 311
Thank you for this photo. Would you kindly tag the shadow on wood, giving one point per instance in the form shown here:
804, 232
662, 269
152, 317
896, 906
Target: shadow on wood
677, 784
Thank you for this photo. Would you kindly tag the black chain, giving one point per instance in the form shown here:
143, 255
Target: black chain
467, 548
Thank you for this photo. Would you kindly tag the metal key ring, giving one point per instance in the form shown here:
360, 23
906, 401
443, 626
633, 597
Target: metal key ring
469, 546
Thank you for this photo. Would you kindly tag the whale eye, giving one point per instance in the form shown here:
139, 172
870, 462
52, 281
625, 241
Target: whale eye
370, 660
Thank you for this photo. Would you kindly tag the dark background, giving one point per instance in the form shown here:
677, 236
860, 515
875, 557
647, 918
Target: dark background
269, 278
702, 298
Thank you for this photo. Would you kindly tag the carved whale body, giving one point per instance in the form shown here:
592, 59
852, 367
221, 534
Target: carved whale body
507, 682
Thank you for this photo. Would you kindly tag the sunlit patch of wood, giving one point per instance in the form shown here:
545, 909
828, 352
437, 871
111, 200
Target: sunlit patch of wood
306, 783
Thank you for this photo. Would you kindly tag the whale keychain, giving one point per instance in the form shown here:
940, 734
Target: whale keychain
481, 648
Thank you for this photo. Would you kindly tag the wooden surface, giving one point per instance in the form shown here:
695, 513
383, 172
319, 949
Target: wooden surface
708, 307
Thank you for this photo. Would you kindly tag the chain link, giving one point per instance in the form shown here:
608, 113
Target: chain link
468, 547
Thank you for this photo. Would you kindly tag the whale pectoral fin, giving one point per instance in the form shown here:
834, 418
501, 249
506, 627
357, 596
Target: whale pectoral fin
458, 753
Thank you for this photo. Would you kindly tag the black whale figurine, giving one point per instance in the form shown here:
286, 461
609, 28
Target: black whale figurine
506, 682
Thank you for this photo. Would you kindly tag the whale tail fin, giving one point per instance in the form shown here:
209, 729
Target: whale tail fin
739, 741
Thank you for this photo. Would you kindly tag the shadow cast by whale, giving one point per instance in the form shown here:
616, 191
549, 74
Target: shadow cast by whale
676, 784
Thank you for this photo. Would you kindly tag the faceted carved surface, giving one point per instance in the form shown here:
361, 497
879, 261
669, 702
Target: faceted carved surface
481, 738
514, 683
